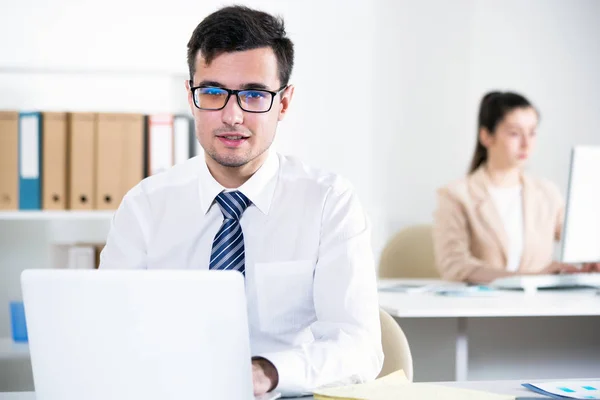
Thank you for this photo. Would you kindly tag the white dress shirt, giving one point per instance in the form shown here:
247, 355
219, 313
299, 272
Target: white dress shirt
310, 275
509, 204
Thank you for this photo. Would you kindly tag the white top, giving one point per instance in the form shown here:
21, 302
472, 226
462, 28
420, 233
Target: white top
310, 275
509, 204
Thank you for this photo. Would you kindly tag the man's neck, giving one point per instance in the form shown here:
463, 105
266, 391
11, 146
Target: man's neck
234, 177
503, 177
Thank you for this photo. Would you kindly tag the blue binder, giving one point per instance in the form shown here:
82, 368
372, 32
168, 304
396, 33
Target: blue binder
30, 161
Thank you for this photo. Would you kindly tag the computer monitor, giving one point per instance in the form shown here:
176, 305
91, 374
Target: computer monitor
581, 230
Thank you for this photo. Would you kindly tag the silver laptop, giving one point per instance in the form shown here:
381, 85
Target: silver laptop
112, 335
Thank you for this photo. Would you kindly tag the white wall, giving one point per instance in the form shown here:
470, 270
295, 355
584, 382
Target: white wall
550, 50
440, 57
422, 128
387, 90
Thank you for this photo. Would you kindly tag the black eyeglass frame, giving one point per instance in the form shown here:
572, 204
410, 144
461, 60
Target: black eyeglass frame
236, 93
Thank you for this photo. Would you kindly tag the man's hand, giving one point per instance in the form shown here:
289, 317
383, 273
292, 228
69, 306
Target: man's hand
264, 376
560, 268
591, 267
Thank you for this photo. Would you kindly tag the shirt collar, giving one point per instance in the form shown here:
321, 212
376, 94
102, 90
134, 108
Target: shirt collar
260, 188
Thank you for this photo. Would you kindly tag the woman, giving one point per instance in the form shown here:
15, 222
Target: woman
499, 220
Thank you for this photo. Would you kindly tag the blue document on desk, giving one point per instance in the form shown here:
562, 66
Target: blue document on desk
567, 389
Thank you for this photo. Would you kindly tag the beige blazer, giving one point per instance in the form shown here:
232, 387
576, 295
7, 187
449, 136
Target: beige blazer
468, 233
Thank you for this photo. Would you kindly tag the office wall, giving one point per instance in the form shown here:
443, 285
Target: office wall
131, 56
420, 65
387, 90
434, 61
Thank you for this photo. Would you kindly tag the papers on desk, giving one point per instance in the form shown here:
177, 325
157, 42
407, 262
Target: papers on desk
397, 386
469, 291
414, 287
567, 389
442, 289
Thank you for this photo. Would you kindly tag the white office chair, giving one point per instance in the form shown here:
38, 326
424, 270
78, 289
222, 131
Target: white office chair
395, 347
409, 254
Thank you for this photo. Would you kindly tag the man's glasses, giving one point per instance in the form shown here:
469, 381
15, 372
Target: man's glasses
250, 100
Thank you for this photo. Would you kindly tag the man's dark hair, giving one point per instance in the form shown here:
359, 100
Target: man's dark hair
239, 28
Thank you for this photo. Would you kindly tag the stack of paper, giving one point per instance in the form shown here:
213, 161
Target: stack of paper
397, 386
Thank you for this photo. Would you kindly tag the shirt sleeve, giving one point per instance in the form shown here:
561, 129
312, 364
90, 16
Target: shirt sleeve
347, 346
127, 238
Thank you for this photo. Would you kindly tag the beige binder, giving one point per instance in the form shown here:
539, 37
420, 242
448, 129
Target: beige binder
54, 161
82, 156
9, 160
120, 157
133, 140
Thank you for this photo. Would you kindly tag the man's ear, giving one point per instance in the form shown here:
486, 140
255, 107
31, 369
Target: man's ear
286, 99
188, 84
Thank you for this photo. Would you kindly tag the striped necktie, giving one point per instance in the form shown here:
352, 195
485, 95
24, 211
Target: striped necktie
228, 245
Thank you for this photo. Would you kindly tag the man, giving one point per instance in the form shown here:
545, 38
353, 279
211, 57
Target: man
299, 235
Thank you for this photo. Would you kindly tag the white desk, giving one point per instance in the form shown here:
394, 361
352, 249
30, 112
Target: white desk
511, 388
548, 334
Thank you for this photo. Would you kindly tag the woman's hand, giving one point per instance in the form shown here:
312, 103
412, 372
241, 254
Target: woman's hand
560, 268
591, 267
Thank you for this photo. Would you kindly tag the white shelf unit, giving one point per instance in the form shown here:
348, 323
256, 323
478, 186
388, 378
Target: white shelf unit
55, 215
10, 350
49, 76
38, 239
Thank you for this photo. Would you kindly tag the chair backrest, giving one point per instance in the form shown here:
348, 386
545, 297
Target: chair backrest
409, 254
396, 350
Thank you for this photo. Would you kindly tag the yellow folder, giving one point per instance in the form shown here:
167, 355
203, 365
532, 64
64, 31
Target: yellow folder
396, 386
